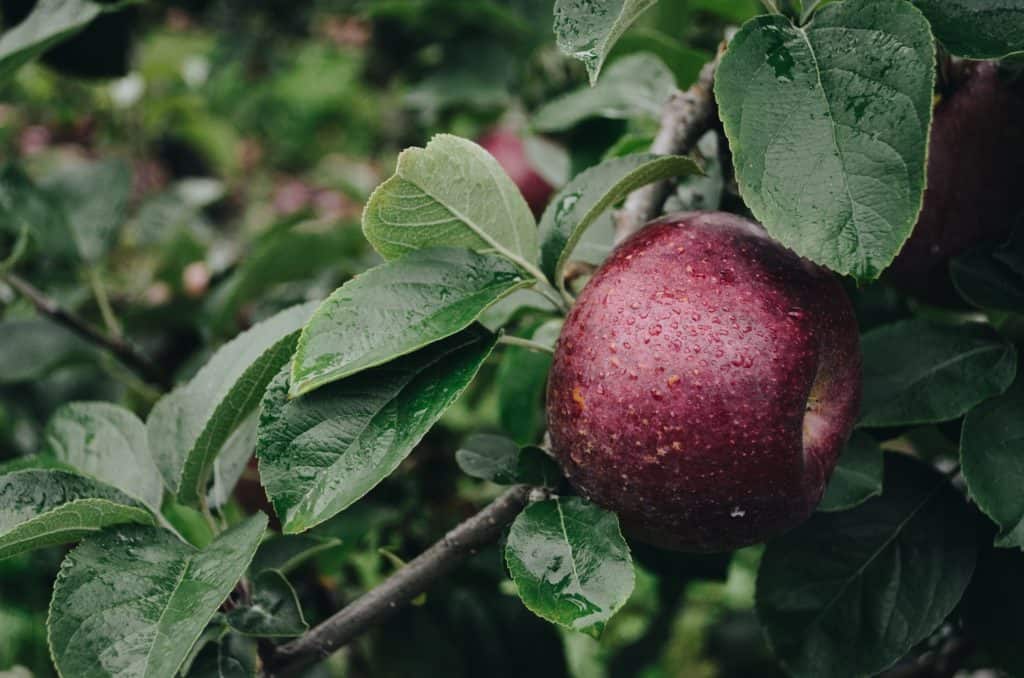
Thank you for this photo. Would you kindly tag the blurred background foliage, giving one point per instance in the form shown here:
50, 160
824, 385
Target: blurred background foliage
219, 152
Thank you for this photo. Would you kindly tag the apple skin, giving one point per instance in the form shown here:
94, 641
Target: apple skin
975, 179
508, 149
704, 384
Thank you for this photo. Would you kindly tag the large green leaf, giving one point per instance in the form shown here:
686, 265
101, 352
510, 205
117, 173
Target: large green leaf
857, 477
635, 86
593, 192
94, 197
992, 454
977, 29
570, 563
31, 348
49, 23
132, 601
587, 29
450, 194
397, 308
917, 372
188, 428
828, 124
849, 593
108, 443
274, 611
43, 507
992, 275
320, 453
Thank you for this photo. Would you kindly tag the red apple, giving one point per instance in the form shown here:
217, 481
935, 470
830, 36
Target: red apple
704, 384
975, 178
508, 149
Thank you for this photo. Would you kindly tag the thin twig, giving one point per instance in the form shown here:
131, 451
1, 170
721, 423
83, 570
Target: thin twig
525, 343
374, 606
120, 348
685, 118
99, 291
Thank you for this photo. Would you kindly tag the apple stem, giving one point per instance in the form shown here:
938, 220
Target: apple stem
510, 340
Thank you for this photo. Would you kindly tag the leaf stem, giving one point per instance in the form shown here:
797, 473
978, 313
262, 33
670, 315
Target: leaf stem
771, 6
525, 343
99, 291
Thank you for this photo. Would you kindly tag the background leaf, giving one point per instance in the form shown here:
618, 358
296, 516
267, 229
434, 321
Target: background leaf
322, 452
992, 275
274, 611
849, 593
917, 372
522, 378
857, 477
231, 655
635, 86
828, 124
993, 607
43, 507
397, 308
94, 197
992, 454
31, 348
284, 553
587, 30
977, 29
108, 443
50, 22
570, 563
134, 600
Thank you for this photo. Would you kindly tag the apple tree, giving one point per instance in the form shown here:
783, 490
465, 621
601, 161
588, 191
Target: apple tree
749, 293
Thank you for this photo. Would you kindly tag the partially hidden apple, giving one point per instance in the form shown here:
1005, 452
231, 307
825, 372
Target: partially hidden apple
975, 178
508, 149
704, 384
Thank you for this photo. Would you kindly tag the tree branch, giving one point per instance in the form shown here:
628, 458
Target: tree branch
376, 605
117, 346
685, 118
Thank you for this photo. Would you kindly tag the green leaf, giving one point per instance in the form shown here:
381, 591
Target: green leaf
44, 507
828, 124
320, 453
188, 428
977, 29
50, 23
849, 593
499, 460
917, 372
522, 377
593, 192
232, 655
450, 194
570, 563
635, 86
274, 612
24, 207
993, 609
992, 275
132, 601
287, 552
397, 308
32, 348
684, 62
857, 477
992, 455
108, 443
587, 29
232, 461
94, 197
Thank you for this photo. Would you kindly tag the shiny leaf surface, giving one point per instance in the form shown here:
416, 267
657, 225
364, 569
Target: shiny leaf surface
977, 29
587, 30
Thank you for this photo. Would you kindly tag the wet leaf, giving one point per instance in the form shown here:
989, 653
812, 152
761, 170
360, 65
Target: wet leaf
917, 372
133, 601
587, 29
857, 477
570, 563
397, 308
977, 29
274, 611
992, 454
828, 124
489, 457
232, 655
850, 593
188, 428
322, 452
452, 193
590, 194
287, 552
108, 443
44, 507
635, 86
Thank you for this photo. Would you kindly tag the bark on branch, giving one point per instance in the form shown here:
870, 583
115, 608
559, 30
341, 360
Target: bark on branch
685, 118
119, 347
376, 605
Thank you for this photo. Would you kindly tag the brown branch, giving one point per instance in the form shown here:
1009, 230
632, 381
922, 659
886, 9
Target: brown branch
376, 605
685, 118
119, 347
